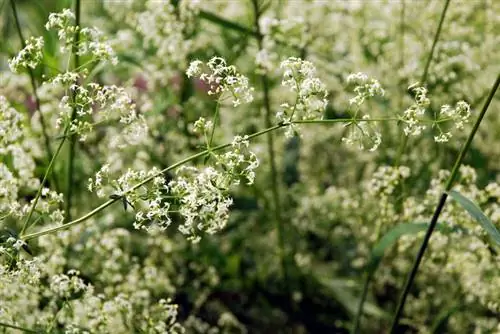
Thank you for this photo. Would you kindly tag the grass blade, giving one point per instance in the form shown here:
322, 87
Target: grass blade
478, 215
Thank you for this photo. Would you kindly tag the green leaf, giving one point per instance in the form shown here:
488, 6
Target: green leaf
478, 215
390, 238
439, 326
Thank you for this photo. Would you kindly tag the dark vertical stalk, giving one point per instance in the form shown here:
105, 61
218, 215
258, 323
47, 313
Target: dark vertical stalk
72, 138
439, 209
272, 157
46, 139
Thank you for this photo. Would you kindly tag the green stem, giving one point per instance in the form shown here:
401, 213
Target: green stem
216, 117
140, 184
439, 208
72, 139
40, 188
272, 158
46, 139
3, 324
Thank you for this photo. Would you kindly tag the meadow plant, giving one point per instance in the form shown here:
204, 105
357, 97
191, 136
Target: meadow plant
180, 169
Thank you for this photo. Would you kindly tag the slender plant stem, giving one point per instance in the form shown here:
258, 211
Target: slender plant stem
140, 184
46, 138
216, 118
439, 208
72, 138
40, 188
163, 171
3, 324
276, 196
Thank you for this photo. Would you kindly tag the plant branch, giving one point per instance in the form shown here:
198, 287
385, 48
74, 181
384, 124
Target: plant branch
439, 208
40, 188
140, 184
72, 138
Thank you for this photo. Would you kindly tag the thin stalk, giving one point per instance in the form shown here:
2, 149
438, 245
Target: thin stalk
216, 118
3, 324
40, 188
46, 139
439, 208
72, 139
423, 79
140, 184
276, 196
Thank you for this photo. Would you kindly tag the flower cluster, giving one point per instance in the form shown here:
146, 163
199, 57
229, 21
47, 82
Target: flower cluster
30, 56
94, 104
91, 40
415, 116
365, 87
299, 76
222, 78
203, 193
412, 117
458, 116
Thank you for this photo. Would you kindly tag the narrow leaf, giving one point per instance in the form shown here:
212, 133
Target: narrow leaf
390, 238
478, 215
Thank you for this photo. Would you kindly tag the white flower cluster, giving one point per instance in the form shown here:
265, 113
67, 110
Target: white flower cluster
162, 29
17, 164
203, 194
414, 117
365, 87
386, 178
291, 31
112, 102
222, 78
30, 56
91, 40
363, 133
204, 200
458, 116
68, 285
310, 103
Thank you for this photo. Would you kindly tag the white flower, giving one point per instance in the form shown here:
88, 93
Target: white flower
30, 56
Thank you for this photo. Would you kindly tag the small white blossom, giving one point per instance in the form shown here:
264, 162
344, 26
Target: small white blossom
30, 56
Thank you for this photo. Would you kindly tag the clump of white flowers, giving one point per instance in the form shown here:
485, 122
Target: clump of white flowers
361, 130
91, 40
365, 87
222, 78
203, 194
30, 56
412, 117
311, 95
111, 102
415, 118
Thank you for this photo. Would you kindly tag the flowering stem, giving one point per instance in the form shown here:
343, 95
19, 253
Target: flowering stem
72, 139
439, 208
48, 150
272, 158
140, 184
423, 79
40, 188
